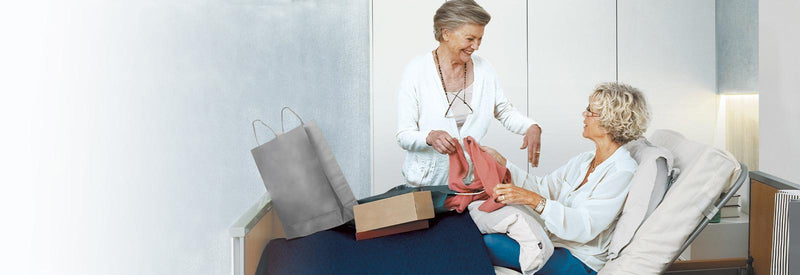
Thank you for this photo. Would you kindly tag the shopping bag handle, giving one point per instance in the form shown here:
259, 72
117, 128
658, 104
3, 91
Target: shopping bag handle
262, 123
295, 114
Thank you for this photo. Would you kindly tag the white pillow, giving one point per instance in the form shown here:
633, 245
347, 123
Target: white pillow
648, 186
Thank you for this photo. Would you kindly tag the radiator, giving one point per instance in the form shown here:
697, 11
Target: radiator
787, 203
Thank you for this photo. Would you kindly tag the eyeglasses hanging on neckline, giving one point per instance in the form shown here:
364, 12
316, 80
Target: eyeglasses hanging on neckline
456, 97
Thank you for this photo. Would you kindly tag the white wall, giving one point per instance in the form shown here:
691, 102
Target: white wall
667, 49
126, 124
779, 95
572, 49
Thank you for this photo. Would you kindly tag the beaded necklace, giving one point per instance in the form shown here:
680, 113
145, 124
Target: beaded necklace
441, 77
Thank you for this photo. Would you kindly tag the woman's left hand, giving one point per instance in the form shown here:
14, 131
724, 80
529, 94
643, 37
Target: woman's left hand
511, 194
531, 140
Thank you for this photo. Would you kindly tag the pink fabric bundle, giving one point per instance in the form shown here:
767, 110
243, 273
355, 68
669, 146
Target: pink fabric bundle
488, 173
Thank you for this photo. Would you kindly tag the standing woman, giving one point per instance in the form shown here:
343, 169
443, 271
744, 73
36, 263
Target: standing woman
449, 93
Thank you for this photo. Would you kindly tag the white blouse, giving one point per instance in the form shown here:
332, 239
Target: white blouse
582, 220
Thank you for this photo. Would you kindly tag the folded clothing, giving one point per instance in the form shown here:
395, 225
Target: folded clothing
534, 246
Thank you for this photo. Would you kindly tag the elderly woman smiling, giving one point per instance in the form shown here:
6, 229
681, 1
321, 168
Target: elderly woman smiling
450, 93
579, 202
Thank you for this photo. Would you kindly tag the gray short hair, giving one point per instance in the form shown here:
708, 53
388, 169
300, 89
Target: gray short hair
455, 13
623, 111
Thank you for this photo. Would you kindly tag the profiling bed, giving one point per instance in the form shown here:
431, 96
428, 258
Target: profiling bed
649, 252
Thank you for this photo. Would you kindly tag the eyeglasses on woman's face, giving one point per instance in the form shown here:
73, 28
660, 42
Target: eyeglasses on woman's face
588, 112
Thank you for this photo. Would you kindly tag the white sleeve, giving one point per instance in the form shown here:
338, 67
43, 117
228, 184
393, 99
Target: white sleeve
586, 219
548, 186
408, 134
504, 111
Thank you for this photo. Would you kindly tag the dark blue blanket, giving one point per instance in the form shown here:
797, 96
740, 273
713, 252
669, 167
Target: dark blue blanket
452, 245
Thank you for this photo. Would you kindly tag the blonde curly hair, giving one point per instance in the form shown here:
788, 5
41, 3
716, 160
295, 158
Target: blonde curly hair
623, 111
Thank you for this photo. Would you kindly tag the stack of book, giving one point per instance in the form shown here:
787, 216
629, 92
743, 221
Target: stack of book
732, 208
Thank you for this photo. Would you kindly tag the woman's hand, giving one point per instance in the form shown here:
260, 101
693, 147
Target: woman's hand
442, 142
531, 140
497, 156
507, 193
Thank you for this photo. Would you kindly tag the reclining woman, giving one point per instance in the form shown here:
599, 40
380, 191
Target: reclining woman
579, 202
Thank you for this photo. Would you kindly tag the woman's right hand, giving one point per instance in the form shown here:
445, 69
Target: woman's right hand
442, 142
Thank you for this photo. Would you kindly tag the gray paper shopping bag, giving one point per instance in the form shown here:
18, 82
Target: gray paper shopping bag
307, 187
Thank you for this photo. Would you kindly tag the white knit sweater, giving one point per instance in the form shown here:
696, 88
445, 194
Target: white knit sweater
421, 107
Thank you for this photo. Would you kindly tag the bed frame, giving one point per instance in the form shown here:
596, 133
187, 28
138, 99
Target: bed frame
251, 233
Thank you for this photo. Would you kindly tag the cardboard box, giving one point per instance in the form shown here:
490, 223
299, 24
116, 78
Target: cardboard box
393, 215
391, 230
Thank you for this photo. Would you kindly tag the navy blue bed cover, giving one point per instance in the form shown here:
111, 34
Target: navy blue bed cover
452, 245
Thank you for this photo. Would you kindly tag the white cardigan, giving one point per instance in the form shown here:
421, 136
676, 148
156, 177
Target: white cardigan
582, 220
421, 107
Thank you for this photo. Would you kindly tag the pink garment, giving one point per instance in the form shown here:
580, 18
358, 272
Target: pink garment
488, 173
